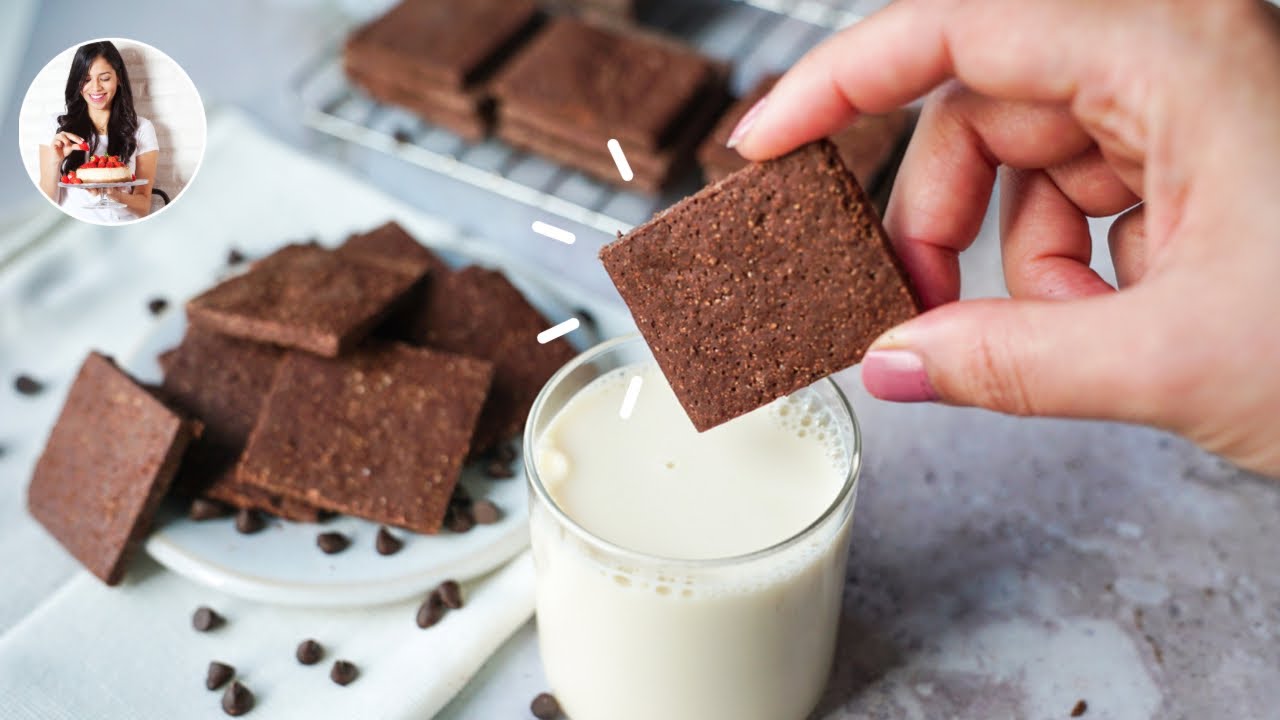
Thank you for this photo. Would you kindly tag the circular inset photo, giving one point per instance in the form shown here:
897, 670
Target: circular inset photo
112, 131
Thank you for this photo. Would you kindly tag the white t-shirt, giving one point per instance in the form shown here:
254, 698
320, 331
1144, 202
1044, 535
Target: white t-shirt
75, 200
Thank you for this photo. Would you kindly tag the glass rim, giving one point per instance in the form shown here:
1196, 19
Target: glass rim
847, 488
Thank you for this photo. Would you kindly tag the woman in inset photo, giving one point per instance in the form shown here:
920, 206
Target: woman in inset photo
100, 121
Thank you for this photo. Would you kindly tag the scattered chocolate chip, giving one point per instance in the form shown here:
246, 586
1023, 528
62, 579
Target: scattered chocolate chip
205, 619
545, 707
309, 652
386, 543
249, 521
458, 519
505, 453
157, 305
485, 512
402, 136
204, 509
218, 675
27, 385
237, 700
235, 257
498, 469
332, 542
431, 610
1080, 708
3, 450
326, 515
343, 672
450, 594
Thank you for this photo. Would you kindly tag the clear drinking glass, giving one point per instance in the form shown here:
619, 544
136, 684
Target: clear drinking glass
624, 635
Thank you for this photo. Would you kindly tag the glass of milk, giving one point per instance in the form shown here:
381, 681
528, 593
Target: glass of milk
680, 575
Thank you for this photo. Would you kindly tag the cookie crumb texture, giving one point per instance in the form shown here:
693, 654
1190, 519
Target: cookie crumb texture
762, 283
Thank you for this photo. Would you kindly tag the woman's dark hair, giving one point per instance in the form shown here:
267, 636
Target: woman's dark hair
123, 124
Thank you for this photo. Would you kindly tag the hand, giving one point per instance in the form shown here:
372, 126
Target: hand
1081, 110
65, 143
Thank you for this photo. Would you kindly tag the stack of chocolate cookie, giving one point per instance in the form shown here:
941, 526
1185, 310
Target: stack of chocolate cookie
357, 381
870, 147
434, 57
577, 85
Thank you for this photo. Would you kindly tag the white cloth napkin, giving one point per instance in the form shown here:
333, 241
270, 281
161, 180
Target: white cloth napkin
131, 652
72, 648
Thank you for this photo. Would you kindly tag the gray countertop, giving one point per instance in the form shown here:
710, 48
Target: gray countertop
1001, 567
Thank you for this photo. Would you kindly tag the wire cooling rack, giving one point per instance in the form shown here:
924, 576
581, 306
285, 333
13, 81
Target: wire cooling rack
756, 36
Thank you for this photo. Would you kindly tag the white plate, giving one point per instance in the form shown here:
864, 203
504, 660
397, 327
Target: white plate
282, 563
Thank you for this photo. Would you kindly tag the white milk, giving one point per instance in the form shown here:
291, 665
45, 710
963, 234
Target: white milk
628, 635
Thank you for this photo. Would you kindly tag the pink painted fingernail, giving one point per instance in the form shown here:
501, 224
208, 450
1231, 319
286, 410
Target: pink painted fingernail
897, 375
744, 125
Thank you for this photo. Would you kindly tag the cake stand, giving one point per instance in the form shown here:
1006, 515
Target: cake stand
102, 202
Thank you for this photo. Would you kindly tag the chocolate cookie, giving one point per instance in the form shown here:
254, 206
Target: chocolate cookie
108, 462
304, 297
380, 433
762, 283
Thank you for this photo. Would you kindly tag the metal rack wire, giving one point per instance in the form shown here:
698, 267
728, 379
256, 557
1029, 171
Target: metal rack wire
757, 36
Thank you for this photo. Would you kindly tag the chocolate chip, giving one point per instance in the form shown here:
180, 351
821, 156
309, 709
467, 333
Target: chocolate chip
545, 707
309, 652
205, 619
343, 672
505, 453
157, 305
498, 469
204, 509
332, 542
218, 675
235, 257
386, 543
401, 135
27, 385
431, 610
1079, 709
237, 700
458, 519
249, 521
450, 594
485, 512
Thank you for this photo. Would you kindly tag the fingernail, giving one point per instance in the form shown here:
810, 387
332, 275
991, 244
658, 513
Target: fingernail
744, 125
897, 375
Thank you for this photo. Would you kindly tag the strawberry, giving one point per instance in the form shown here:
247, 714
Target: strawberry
84, 146
76, 181
132, 177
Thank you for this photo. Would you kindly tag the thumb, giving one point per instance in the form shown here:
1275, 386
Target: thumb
1079, 358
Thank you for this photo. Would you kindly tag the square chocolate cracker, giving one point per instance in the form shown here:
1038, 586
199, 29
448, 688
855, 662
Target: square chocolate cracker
223, 381
106, 466
762, 283
380, 433
434, 57
304, 297
393, 246
577, 84
478, 312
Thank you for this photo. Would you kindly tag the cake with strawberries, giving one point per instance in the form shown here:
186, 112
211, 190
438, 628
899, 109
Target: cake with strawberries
104, 169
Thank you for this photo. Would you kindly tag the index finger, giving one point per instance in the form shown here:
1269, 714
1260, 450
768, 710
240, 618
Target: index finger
1038, 51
